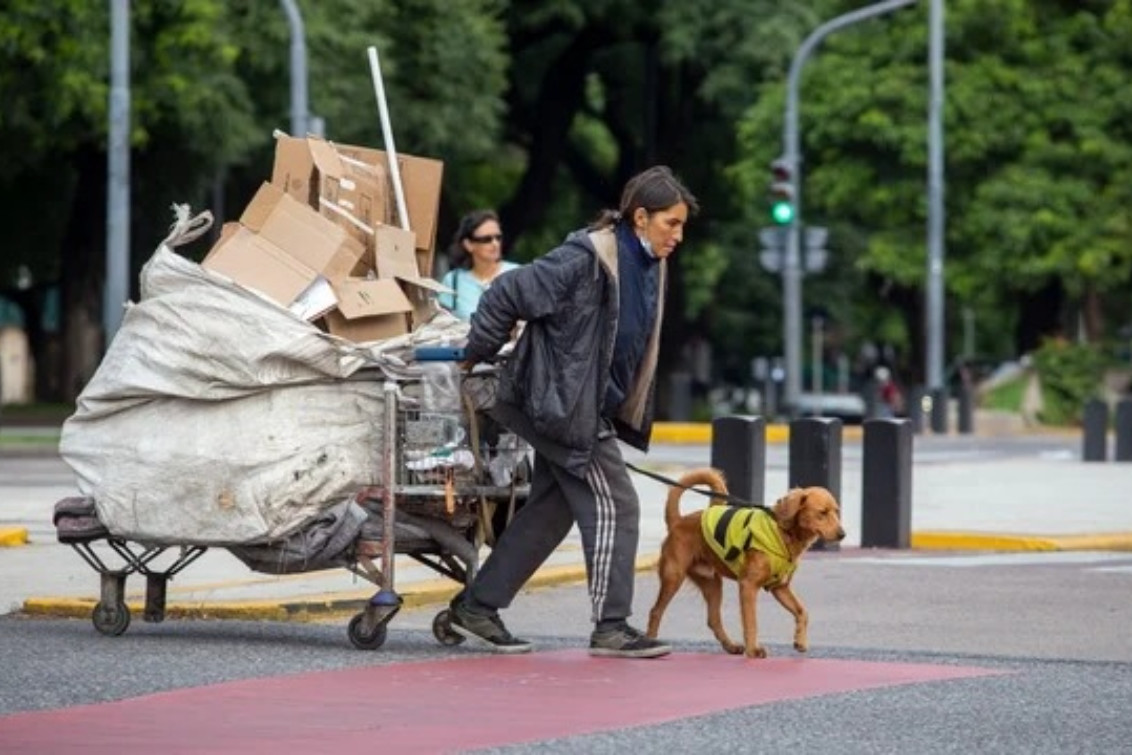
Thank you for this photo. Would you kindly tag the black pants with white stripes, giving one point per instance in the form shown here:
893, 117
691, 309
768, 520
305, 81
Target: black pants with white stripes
605, 507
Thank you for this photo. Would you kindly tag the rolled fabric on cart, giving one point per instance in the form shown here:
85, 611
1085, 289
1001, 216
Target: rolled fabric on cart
217, 417
76, 520
323, 543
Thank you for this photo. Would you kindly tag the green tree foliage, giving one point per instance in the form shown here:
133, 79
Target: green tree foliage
1037, 148
209, 82
543, 109
189, 116
600, 89
1070, 375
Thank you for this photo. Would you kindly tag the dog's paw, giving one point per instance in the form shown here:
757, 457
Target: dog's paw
758, 651
732, 649
801, 646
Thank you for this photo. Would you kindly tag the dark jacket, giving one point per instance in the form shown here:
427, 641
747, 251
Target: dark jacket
551, 389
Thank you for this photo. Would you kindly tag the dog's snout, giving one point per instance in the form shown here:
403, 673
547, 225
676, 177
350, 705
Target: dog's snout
840, 534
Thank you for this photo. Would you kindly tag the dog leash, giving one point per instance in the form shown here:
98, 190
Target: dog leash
734, 500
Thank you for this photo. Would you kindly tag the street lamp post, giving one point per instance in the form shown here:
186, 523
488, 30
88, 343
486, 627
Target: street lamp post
300, 111
792, 156
115, 289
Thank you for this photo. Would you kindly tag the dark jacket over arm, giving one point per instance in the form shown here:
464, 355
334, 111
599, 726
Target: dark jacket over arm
551, 388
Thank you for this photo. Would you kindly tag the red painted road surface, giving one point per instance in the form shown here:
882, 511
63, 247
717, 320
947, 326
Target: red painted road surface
446, 705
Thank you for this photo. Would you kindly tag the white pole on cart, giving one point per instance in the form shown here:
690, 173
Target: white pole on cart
389, 473
387, 134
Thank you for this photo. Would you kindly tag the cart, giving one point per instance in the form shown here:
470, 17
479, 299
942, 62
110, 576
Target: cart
451, 480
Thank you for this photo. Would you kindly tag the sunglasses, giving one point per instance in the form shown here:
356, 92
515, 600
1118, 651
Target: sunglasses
487, 239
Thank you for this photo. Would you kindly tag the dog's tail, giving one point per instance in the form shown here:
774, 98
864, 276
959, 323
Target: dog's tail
713, 478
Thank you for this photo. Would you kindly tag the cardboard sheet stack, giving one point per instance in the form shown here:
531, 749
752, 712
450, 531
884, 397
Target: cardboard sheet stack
321, 240
241, 400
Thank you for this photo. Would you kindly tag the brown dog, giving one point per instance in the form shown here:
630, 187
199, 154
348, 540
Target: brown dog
763, 551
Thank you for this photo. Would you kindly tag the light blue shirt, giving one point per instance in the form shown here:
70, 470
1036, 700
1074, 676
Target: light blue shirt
468, 290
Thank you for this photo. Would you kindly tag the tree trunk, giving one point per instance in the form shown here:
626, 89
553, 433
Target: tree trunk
560, 97
1039, 316
82, 274
1093, 314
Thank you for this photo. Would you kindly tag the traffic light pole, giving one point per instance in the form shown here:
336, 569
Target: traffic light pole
792, 264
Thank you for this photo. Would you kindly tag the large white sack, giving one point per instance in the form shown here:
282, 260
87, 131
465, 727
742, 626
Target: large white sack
217, 417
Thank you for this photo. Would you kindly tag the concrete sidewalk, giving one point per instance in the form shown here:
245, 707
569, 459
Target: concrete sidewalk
1052, 502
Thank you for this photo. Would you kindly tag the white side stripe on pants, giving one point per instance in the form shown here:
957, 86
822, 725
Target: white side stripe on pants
603, 540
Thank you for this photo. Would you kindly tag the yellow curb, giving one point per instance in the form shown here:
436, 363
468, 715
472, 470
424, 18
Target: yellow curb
956, 541
11, 537
1119, 541
681, 432
700, 432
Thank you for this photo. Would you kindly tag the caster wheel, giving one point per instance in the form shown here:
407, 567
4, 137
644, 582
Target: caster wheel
442, 630
365, 641
111, 619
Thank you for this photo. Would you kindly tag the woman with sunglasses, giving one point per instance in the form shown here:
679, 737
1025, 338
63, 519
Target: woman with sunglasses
477, 260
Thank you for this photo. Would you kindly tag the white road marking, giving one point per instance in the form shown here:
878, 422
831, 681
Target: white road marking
1000, 559
1126, 569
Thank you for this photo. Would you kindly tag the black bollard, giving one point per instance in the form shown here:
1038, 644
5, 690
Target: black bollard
815, 458
886, 484
939, 410
1095, 423
1124, 429
966, 419
916, 408
738, 449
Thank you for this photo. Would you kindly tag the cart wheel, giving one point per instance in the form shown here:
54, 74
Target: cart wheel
111, 619
442, 630
365, 641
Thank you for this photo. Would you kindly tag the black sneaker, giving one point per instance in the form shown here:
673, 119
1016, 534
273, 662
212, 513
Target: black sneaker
487, 629
626, 642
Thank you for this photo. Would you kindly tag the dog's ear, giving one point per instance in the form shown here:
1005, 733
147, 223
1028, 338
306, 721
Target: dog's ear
787, 508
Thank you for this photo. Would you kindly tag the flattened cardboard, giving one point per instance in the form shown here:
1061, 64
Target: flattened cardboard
304, 234
254, 262
396, 259
421, 178
347, 191
369, 310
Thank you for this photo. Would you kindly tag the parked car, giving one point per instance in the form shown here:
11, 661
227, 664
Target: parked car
847, 407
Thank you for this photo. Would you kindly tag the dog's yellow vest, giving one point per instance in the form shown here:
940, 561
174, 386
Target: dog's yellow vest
733, 530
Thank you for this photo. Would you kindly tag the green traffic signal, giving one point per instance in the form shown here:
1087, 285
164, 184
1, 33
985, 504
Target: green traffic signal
782, 212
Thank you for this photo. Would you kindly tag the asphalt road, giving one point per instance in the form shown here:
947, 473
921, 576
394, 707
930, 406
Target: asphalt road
1044, 635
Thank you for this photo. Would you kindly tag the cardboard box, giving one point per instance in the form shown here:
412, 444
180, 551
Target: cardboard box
369, 310
421, 178
287, 252
348, 191
396, 259
256, 263
305, 235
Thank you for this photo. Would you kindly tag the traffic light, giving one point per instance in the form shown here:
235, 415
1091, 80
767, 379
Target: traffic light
782, 207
